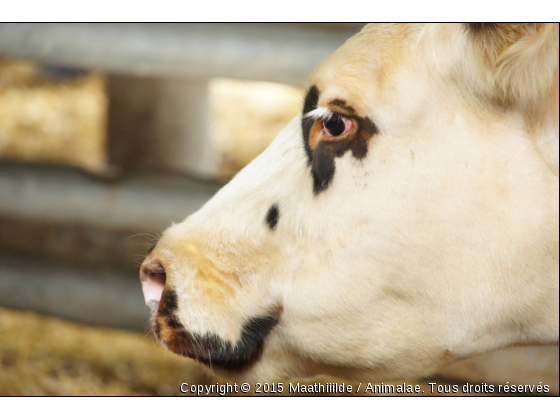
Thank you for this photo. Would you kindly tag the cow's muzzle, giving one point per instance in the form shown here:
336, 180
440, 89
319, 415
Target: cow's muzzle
209, 348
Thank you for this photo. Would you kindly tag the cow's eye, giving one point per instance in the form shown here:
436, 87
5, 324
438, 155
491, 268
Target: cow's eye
336, 125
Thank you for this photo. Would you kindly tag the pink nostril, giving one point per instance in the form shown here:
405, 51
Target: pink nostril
153, 283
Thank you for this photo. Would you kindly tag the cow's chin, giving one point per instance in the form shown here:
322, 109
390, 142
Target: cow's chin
209, 348
212, 350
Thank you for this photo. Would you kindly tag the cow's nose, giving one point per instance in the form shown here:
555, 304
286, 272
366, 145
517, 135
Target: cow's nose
153, 276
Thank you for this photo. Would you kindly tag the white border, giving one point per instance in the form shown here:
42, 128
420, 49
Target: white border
456, 408
285, 10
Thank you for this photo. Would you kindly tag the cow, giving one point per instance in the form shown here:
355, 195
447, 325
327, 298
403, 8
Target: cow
407, 218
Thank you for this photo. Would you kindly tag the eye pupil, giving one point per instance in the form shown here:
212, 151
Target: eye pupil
334, 125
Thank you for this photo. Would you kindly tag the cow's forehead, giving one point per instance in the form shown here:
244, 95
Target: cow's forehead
365, 66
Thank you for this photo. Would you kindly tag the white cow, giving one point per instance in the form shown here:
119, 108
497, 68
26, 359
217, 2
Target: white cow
407, 218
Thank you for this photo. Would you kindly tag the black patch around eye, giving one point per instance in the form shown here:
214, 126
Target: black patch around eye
310, 103
322, 159
322, 169
272, 216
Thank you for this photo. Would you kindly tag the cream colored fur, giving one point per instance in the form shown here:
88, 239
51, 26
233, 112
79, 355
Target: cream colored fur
442, 243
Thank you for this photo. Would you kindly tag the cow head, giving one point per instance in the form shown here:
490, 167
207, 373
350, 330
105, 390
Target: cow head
406, 218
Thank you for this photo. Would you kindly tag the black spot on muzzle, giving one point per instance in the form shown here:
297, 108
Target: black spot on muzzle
209, 348
217, 353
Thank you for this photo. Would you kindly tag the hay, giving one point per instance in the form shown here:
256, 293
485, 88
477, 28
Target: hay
64, 121
41, 355
43, 120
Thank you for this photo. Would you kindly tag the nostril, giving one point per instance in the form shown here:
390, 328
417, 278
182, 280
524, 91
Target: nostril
154, 272
157, 277
153, 283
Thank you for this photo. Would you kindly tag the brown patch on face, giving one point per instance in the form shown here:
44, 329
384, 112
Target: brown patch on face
216, 283
397, 294
341, 106
165, 323
355, 140
212, 268
315, 135
446, 357
165, 332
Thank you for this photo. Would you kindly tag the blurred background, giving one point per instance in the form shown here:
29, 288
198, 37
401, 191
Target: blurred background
108, 133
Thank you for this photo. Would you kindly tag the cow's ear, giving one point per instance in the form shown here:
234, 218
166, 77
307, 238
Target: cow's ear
519, 60
517, 66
